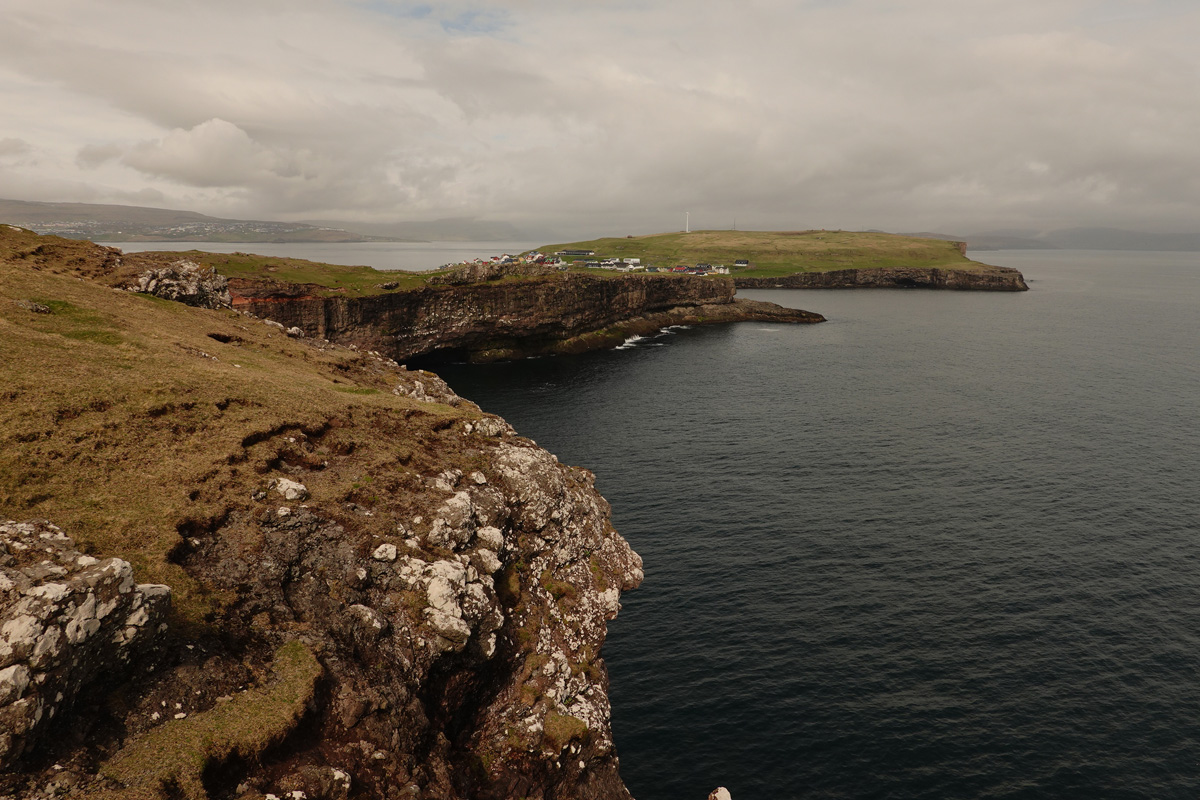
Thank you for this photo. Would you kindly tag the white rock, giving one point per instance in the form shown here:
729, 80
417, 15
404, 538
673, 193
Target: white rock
289, 489
442, 597
51, 592
385, 552
488, 562
490, 537
13, 683
448, 627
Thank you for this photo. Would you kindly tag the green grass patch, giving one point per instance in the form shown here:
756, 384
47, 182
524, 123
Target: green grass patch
337, 279
170, 759
561, 729
773, 253
124, 420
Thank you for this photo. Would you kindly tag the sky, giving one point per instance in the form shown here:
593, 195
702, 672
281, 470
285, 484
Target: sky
612, 117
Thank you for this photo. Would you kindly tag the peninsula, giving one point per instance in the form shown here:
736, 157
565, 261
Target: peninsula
485, 312
814, 259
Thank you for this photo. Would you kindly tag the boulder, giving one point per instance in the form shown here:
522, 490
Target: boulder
69, 623
186, 282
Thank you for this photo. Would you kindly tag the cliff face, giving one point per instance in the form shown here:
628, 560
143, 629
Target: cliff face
293, 569
565, 312
996, 279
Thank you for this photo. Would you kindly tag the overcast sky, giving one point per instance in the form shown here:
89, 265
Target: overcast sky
612, 116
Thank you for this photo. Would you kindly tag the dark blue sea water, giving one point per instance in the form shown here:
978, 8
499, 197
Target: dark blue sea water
945, 545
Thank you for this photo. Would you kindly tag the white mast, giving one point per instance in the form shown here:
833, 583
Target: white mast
687, 222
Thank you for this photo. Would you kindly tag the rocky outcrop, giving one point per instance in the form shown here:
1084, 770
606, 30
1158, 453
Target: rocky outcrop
515, 317
68, 623
446, 632
992, 279
186, 282
476, 272
462, 648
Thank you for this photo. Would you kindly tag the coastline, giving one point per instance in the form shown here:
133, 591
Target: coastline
988, 279
506, 319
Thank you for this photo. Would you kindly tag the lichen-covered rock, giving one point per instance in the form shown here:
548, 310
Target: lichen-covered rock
67, 621
462, 643
476, 272
186, 282
288, 489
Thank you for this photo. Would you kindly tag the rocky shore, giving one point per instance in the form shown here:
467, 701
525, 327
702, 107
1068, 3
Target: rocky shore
987, 279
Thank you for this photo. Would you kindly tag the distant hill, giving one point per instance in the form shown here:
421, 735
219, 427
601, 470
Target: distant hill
454, 229
116, 223
1073, 239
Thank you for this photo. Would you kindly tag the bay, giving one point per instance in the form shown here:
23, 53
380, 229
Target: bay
943, 545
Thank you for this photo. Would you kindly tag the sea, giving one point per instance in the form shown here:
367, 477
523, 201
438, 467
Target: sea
944, 545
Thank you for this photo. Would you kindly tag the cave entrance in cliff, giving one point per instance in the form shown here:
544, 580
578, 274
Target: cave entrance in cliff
449, 355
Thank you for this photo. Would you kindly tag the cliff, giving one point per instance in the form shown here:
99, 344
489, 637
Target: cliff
279, 566
565, 312
994, 279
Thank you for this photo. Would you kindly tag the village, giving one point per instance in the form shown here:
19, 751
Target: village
586, 259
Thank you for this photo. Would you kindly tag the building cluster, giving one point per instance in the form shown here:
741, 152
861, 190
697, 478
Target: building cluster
563, 259
533, 257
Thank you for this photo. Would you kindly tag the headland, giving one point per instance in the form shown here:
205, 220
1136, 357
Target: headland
812, 259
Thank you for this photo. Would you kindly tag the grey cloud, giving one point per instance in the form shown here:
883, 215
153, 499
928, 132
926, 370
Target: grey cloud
863, 113
14, 147
91, 156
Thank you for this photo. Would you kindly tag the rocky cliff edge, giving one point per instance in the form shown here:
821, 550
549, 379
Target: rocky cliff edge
984, 278
513, 317
280, 567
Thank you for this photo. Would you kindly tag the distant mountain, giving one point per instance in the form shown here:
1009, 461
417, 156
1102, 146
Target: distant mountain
116, 223
462, 229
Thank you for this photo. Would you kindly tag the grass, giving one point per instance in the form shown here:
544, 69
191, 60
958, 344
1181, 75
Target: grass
561, 729
130, 422
171, 758
773, 253
337, 279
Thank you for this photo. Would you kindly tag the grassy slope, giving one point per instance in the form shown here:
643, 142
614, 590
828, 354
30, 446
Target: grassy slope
123, 421
344, 280
780, 253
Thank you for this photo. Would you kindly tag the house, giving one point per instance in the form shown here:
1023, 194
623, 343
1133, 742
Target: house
741, 262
